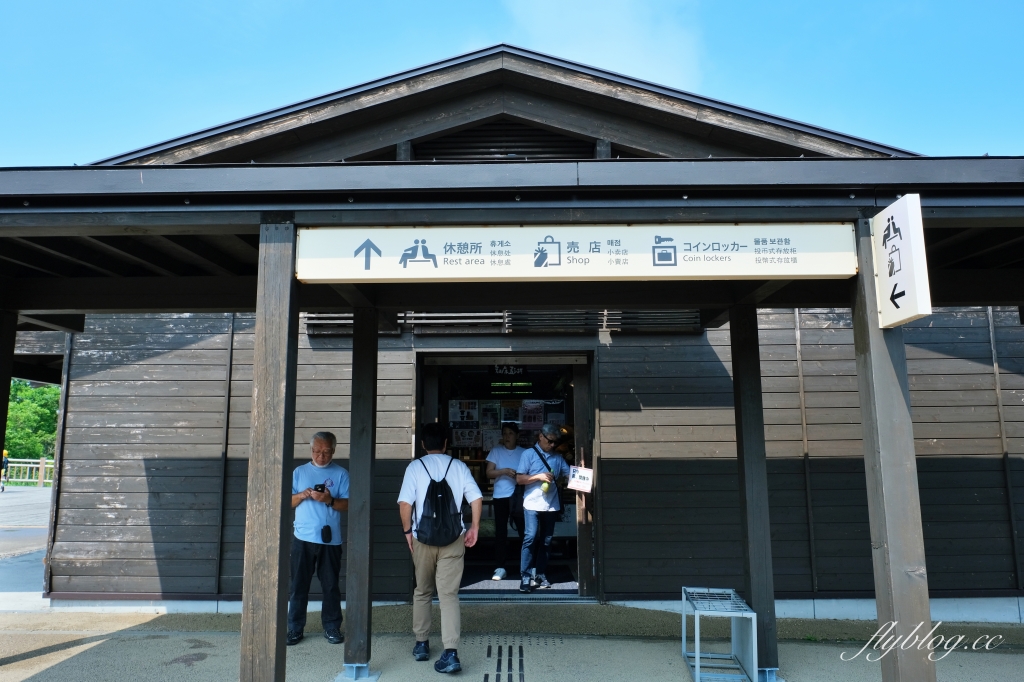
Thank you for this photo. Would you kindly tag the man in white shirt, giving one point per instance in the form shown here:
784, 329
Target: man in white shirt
319, 495
539, 470
502, 461
439, 567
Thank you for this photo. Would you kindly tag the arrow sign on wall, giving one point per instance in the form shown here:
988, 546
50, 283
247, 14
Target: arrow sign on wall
893, 296
369, 248
901, 270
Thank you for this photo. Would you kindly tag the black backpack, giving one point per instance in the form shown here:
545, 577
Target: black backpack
441, 522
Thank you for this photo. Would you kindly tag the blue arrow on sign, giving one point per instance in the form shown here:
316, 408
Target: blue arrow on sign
368, 248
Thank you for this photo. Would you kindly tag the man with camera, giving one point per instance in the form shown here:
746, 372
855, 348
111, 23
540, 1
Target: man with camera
319, 495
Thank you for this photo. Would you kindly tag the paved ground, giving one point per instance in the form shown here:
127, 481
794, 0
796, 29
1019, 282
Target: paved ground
80, 647
24, 517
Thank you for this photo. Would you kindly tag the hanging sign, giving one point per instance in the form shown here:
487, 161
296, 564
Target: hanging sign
581, 479
576, 252
901, 270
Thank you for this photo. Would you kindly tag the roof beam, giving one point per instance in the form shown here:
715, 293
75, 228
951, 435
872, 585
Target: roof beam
184, 254
57, 323
30, 371
12, 252
62, 250
33, 296
126, 253
746, 174
757, 294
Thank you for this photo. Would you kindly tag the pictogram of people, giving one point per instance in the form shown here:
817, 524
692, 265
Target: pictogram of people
417, 253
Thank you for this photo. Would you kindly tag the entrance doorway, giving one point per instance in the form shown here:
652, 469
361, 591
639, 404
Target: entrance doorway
474, 396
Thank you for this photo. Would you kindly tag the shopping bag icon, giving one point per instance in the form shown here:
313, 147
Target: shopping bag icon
548, 253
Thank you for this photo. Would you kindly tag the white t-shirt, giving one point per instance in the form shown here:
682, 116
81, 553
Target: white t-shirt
416, 481
504, 458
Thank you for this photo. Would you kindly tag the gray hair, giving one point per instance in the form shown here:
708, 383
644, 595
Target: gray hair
551, 431
325, 436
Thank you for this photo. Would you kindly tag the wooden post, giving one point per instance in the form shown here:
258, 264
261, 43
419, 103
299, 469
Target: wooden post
583, 411
58, 457
403, 151
894, 504
8, 339
362, 452
759, 581
271, 445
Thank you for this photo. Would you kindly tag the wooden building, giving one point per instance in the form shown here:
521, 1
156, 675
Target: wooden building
166, 252
150, 410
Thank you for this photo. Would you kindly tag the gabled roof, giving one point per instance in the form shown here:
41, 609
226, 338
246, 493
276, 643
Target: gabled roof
504, 82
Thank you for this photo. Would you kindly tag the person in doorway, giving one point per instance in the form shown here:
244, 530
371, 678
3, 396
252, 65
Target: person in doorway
319, 495
540, 469
502, 462
437, 566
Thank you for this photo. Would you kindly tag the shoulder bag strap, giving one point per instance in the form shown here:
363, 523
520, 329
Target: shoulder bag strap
544, 460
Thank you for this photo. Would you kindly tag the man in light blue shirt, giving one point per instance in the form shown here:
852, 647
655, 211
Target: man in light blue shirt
319, 495
539, 470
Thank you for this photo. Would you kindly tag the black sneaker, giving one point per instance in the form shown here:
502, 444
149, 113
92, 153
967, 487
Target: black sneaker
334, 636
542, 582
293, 637
524, 584
421, 652
449, 662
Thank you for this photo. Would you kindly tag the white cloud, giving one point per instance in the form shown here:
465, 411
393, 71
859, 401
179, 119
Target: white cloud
646, 39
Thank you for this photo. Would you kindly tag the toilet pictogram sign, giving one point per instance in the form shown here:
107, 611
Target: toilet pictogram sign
901, 270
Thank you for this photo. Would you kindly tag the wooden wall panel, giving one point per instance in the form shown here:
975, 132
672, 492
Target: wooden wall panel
676, 522
141, 487
323, 394
140, 498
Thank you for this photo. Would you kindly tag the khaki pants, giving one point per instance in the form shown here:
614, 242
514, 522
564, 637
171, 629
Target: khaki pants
441, 568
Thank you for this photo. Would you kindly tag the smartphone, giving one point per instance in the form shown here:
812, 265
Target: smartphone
320, 487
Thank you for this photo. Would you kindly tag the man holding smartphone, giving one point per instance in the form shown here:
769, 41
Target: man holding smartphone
319, 495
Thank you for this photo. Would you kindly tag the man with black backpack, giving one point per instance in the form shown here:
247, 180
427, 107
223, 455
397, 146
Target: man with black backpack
430, 504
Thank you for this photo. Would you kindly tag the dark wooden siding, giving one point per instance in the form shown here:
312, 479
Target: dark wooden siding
141, 472
140, 501
666, 416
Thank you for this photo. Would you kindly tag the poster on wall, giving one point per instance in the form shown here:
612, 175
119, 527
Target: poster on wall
465, 438
511, 410
463, 411
490, 414
554, 412
490, 439
526, 438
533, 414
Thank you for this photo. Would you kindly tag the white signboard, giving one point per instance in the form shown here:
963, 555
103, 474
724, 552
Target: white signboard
581, 479
901, 270
576, 252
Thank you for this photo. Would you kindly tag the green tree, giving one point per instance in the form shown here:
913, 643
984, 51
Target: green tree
31, 420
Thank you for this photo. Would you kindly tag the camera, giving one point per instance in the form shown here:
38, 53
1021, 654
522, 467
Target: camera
320, 487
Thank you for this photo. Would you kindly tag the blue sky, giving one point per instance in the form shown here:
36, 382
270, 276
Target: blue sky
85, 80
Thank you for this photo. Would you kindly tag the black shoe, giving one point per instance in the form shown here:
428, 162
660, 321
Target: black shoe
449, 662
524, 584
421, 652
334, 636
293, 637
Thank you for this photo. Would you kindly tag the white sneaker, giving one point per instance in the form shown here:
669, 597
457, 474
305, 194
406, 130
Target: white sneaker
499, 574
